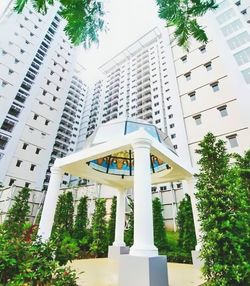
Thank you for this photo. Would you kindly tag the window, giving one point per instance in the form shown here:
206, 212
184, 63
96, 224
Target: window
171, 125
202, 49
231, 28
54, 98
224, 17
173, 136
243, 56
38, 150
208, 66
223, 110
157, 121
44, 92
46, 122
197, 119
25, 145
192, 96
187, 75
27, 184
12, 181
170, 116
156, 104
48, 82
239, 40
246, 75
184, 59
32, 167
233, 140
35, 116
157, 112
175, 147
169, 107
18, 163
215, 86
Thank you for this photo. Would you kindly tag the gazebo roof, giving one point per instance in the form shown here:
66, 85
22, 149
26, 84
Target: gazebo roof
107, 156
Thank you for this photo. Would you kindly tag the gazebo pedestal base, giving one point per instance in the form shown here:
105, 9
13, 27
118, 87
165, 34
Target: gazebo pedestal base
115, 251
141, 270
197, 262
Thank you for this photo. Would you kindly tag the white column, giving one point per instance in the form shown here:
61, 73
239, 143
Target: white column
49, 207
120, 219
189, 186
143, 214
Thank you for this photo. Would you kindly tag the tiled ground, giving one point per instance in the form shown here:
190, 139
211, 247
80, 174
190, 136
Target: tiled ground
104, 272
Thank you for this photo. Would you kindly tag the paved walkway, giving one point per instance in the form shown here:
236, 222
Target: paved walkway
104, 272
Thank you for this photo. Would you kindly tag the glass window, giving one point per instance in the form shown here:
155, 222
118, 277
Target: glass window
223, 110
243, 56
232, 27
215, 86
208, 66
227, 15
192, 96
197, 119
150, 129
233, 140
246, 75
239, 40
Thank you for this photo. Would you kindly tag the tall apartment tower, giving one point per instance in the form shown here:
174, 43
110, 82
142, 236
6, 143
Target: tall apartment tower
37, 79
214, 80
138, 85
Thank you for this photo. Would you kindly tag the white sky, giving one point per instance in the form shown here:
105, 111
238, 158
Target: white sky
127, 21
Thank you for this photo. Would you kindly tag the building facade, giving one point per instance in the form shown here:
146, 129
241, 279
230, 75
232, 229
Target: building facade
38, 86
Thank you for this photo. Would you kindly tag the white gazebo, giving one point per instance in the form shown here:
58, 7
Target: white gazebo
124, 153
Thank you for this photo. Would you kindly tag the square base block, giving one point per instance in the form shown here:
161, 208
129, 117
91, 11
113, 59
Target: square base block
115, 251
197, 262
143, 271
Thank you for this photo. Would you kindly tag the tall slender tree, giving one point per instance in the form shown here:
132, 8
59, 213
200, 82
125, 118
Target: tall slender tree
111, 222
185, 221
18, 214
223, 205
64, 215
99, 245
159, 226
129, 232
81, 220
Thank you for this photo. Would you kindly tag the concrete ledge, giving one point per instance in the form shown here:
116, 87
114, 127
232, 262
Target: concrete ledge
143, 271
197, 262
115, 251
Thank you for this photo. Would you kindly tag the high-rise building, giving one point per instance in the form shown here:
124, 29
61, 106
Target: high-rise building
214, 80
40, 95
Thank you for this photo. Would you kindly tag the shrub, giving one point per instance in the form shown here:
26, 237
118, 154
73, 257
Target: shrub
99, 245
31, 263
159, 226
111, 222
223, 206
187, 238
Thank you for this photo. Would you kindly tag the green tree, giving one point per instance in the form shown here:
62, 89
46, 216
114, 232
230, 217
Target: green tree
81, 220
159, 226
185, 221
111, 222
99, 245
64, 215
223, 207
18, 214
129, 232
85, 19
